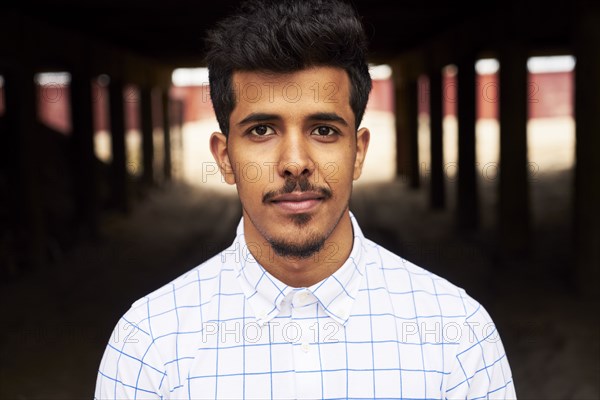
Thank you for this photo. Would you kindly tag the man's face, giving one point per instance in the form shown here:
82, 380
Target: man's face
293, 153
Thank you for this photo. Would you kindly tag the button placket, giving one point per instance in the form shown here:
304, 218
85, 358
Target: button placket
306, 355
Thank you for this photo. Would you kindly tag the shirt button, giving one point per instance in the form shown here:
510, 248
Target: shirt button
305, 347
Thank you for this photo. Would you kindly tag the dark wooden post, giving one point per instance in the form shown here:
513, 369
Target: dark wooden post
514, 210
467, 202
167, 134
147, 138
586, 211
23, 139
406, 116
437, 193
412, 111
119, 177
84, 168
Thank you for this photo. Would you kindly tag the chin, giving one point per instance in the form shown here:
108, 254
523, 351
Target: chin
302, 250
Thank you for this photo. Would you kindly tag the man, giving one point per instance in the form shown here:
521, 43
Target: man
301, 305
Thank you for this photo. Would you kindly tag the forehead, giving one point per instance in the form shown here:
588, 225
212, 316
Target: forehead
311, 88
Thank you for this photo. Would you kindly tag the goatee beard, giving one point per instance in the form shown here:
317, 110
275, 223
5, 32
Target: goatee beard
314, 243
298, 251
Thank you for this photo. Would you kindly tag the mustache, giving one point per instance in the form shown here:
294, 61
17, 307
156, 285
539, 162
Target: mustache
300, 184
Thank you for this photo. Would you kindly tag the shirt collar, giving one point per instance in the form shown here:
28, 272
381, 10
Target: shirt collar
265, 293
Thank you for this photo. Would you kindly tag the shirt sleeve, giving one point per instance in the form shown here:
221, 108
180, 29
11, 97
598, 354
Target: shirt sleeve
131, 367
481, 369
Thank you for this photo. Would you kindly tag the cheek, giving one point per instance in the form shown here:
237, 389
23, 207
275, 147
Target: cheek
252, 181
342, 169
252, 167
250, 173
337, 173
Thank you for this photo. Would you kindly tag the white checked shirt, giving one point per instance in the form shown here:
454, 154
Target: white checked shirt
379, 327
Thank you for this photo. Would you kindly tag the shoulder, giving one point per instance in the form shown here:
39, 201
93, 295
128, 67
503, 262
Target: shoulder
435, 298
147, 339
425, 288
188, 290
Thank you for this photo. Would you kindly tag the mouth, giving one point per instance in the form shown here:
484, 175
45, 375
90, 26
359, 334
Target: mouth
298, 202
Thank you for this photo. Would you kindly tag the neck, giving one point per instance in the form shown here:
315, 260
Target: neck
303, 272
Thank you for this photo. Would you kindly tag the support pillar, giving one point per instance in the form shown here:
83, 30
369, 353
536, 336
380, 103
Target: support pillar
406, 116
514, 209
167, 134
119, 178
586, 204
24, 179
437, 193
147, 139
413, 131
467, 202
84, 165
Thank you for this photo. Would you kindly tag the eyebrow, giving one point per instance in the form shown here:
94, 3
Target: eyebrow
262, 117
330, 117
258, 117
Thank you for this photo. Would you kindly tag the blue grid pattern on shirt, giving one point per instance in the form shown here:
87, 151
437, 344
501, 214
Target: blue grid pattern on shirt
164, 354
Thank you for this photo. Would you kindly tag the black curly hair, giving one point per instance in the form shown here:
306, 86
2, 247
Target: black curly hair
286, 36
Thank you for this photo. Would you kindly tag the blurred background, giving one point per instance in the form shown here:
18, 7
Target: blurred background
484, 168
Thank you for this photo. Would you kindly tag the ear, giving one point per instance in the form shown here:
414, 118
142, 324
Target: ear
363, 136
218, 148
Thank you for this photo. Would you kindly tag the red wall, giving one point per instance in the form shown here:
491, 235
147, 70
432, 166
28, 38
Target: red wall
549, 94
54, 107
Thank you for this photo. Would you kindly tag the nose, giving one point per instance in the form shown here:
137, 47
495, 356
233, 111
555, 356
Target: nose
295, 157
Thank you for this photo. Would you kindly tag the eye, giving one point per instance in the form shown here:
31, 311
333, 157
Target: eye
324, 131
262, 130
